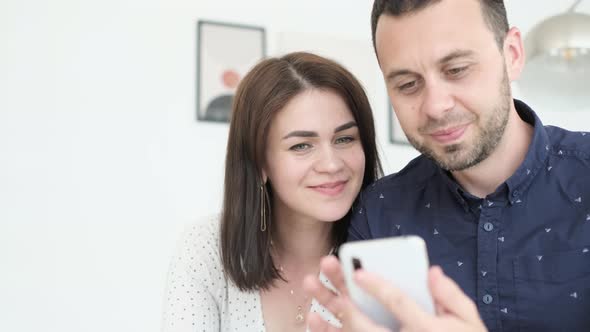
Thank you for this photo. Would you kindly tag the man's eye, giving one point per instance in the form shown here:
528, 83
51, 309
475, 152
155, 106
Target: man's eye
456, 71
408, 85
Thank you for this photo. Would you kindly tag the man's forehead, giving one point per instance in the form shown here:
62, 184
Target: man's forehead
429, 37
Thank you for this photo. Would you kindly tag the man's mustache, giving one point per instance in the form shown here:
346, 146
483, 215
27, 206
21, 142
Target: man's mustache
452, 119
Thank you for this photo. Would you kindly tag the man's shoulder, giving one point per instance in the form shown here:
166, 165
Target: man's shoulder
569, 143
412, 178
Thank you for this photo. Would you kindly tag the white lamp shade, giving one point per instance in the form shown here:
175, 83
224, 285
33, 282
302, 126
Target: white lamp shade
558, 61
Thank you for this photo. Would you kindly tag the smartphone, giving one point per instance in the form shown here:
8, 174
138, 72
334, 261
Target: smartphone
403, 261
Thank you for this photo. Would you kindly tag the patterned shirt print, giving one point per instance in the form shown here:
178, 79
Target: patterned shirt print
521, 253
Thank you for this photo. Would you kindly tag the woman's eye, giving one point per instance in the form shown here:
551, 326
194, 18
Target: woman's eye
344, 140
300, 147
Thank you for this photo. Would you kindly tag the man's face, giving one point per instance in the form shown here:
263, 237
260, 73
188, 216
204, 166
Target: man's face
447, 81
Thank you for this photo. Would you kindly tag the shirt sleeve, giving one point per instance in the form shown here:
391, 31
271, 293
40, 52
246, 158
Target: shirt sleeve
190, 302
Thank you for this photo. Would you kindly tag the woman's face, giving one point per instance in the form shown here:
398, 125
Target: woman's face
314, 159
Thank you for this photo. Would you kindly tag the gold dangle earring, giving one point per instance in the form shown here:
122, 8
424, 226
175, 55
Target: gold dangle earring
262, 208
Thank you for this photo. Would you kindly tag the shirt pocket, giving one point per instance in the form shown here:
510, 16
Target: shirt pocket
553, 291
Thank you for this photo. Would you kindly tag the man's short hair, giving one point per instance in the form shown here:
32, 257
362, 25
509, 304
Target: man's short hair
493, 11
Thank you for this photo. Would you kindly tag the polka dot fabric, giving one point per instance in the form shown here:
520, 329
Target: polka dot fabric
198, 297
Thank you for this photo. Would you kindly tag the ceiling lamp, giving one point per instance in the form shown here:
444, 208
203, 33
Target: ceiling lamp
558, 60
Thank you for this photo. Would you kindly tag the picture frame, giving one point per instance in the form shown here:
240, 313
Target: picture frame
225, 53
396, 133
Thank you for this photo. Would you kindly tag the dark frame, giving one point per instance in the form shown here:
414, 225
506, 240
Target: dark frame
201, 114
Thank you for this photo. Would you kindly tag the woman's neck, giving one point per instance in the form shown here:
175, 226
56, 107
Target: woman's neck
298, 245
300, 241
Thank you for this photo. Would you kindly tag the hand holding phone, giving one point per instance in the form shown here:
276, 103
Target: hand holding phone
455, 310
402, 261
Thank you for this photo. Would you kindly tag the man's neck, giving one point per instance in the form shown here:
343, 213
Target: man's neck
485, 177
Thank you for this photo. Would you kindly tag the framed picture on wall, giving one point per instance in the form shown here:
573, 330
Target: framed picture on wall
396, 134
225, 53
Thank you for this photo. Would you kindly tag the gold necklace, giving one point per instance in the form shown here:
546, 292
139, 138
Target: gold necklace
300, 316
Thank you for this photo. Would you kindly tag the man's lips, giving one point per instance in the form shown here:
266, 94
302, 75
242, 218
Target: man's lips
448, 135
330, 188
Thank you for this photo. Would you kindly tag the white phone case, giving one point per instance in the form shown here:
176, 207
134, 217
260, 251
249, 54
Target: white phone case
401, 260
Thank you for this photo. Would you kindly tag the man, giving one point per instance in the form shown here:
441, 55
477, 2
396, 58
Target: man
501, 200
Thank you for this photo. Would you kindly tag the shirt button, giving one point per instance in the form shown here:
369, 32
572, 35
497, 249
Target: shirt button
488, 226
488, 299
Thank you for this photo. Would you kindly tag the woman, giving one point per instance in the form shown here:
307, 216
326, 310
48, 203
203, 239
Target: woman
301, 146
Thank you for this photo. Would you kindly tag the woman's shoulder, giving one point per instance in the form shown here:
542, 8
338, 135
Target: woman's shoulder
204, 230
197, 283
197, 252
196, 287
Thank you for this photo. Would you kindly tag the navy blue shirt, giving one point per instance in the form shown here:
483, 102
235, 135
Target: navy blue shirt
521, 253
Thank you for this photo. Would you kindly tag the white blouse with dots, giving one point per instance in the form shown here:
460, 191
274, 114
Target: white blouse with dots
198, 296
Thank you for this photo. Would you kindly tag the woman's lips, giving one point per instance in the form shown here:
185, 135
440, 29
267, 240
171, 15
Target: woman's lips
330, 188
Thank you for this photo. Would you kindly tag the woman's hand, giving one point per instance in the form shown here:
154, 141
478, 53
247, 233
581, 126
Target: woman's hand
454, 310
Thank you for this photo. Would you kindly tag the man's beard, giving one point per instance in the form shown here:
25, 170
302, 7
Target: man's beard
458, 157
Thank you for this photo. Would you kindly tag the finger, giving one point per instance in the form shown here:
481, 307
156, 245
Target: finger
353, 320
342, 307
405, 309
452, 323
440, 310
314, 288
450, 297
332, 269
317, 324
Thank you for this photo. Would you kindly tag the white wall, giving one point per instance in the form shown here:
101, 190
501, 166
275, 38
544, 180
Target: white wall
101, 159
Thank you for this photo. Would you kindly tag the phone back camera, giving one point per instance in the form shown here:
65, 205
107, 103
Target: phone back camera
356, 263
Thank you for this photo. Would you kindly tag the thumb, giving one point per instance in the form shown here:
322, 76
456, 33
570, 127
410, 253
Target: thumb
450, 298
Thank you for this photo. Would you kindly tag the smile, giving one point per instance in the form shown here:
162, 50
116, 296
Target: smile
330, 188
449, 135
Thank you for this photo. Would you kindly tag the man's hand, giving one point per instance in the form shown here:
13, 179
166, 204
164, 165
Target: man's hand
455, 311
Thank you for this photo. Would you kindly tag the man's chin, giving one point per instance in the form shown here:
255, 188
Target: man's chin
452, 160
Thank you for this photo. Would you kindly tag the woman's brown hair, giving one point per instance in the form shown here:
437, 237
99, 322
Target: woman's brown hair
264, 91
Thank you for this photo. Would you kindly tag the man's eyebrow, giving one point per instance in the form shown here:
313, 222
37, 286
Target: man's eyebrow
454, 55
399, 72
447, 58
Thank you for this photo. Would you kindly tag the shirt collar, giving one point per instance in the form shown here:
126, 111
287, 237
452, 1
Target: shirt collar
535, 157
